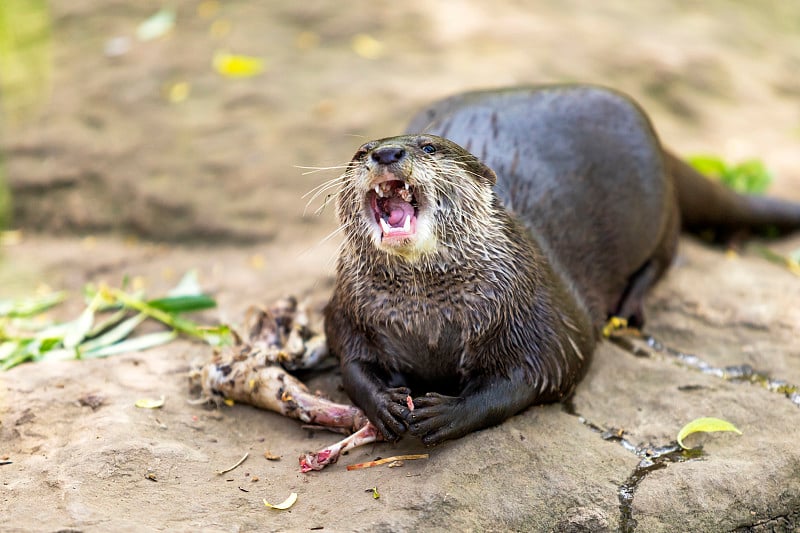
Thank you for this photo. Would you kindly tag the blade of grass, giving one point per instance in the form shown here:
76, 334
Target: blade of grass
19, 356
112, 336
217, 335
133, 345
57, 354
83, 325
28, 307
7, 348
183, 304
189, 285
175, 322
107, 323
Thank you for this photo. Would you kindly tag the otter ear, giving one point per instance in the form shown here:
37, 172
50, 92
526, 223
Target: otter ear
488, 174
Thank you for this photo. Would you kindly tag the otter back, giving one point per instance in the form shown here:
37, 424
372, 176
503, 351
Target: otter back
583, 169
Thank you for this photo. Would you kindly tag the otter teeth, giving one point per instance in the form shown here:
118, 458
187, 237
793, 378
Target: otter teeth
385, 189
389, 230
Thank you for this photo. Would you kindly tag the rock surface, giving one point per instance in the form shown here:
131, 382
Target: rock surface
214, 176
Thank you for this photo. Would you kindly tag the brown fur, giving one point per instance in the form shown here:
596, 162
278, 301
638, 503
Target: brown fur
497, 301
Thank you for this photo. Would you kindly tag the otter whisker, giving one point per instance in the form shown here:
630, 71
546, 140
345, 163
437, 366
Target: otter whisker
314, 170
326, 184
335, 232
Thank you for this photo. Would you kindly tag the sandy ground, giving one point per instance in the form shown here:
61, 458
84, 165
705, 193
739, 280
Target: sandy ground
114, 178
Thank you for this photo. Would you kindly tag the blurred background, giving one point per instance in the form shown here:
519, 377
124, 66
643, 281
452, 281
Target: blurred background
188, 121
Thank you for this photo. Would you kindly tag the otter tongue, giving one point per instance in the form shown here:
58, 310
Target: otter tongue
397, 209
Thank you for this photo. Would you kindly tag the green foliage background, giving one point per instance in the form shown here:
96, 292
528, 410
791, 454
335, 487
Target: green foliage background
25, 72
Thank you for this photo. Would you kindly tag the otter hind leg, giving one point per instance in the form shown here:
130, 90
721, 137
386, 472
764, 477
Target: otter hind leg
631, 303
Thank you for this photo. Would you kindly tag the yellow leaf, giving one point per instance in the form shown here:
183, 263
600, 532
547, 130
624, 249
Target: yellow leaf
148, 403
178, 92
707, 425
237, 66
614, 323
228, 401
208, 9
367, 46
285, 504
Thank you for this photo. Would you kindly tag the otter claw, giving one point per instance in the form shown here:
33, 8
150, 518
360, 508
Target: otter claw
392, 413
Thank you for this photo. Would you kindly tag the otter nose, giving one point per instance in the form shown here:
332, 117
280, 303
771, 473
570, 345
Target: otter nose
388, 155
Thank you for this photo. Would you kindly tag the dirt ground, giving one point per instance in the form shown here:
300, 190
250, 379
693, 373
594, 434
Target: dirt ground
117, 175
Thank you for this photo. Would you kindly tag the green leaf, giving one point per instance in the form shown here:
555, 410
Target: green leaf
176, 322
59, 354
189, 285
7, 348
708, 164
107, 323
749, 177
82, 326
136, 344
16, 358
156, 25
183, 304
707, 425
217, 335
114, 335
28, 307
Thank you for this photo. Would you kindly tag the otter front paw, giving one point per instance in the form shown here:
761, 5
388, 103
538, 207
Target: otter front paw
437, 418
390, 412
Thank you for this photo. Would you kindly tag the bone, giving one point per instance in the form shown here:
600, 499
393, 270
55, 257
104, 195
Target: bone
330, 454
255, 371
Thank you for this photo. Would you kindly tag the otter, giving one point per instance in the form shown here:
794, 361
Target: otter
484, 251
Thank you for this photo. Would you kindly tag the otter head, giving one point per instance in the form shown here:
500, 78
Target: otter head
406, 190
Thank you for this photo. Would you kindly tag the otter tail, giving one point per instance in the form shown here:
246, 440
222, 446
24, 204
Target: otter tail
706, 204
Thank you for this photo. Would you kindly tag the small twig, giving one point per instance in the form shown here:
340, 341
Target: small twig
377, 462
220, 472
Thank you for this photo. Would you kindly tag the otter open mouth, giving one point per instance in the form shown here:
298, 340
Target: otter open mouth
395, 209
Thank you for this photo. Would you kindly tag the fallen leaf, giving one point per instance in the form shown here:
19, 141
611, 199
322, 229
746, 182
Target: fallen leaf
367, 46
178, 92
148, 403
285, 504
614, 323
708, 425
157, 25
237, 66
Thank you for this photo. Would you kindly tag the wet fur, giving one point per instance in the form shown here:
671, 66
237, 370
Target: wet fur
503, 307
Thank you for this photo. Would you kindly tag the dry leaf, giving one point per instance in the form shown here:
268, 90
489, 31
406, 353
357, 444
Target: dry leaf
285, 504
149, 403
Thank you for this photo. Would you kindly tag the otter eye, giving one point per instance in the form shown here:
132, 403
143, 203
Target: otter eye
364, 150
429, 149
